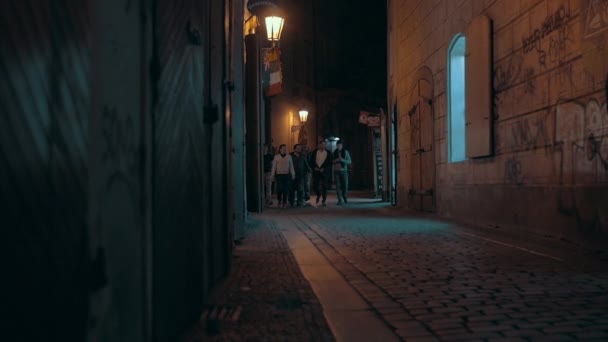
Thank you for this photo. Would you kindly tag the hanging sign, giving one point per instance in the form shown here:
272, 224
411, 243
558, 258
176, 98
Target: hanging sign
373, 121
273, 73
363, 117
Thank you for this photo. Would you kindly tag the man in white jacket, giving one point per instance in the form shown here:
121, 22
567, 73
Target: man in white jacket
282, 169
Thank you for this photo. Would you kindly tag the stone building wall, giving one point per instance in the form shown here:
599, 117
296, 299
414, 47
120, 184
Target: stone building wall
548, 171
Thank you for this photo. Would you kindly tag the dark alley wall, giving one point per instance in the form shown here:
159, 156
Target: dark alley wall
116, 184
190, 188
44, 106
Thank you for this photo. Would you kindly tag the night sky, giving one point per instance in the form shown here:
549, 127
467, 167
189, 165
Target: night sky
363, 30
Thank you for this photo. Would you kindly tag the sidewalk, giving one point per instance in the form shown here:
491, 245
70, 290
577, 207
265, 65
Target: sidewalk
265, 297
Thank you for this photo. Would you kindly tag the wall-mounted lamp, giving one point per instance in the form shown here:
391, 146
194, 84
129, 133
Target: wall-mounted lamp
269, 10
274, 27
303, 116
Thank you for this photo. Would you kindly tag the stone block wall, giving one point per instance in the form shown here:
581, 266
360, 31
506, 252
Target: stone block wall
549, 169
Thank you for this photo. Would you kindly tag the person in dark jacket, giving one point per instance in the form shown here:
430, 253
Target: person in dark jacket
341, 161
308, 176
321, 162
302, 168
268, 158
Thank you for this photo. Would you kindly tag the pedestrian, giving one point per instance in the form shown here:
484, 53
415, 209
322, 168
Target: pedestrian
282, 173
308, 176
268, 159
341, 162
321, 162
302, 169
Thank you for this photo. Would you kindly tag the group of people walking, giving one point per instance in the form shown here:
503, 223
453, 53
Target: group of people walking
292, 173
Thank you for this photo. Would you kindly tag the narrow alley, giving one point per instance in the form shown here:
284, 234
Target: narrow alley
381, 275
303, 170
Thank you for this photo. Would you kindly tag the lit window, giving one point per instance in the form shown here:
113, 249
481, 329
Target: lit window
456, 100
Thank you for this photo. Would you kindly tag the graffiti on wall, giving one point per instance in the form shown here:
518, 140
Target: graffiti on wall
555, 51
582, 132
578, 145
528, 134
594, 28
530, 85
596, 18
582, 128
513, 172
506, 74
552, 22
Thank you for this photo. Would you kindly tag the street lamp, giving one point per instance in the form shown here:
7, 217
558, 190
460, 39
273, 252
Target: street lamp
262, 82
301, 128
303, 116
269, 10
274, 28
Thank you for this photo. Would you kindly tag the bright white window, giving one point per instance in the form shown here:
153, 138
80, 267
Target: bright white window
456, 100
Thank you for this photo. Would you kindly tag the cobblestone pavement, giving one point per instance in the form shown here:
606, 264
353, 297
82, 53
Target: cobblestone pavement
277, 302
431, 280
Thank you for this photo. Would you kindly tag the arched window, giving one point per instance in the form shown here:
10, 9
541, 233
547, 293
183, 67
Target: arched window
456, 100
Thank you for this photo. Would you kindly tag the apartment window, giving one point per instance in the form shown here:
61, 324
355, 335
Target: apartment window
456, 100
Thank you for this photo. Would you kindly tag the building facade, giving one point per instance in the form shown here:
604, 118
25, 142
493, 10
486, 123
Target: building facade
499, 111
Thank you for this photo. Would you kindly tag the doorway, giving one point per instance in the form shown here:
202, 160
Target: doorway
421, 196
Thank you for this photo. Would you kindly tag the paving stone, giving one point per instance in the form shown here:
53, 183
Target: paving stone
488, 318
561, 329
385, 304
422, 339
450, 331
592, 335
470, 337
488, 328
396, 316
524, 333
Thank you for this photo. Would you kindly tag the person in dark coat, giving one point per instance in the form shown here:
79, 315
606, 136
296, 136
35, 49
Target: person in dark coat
321, 162
341, 159
302, 168
307, 178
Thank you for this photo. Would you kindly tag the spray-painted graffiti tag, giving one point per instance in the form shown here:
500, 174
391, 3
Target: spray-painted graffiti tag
529, 134
513, 172
507, 73
582, 130
550, 24
530, 85
597, 18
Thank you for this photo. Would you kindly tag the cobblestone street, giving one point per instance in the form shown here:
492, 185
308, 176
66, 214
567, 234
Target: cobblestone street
434, 280
425, 279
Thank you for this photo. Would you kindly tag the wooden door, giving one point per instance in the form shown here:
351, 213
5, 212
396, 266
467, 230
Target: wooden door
421, 196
